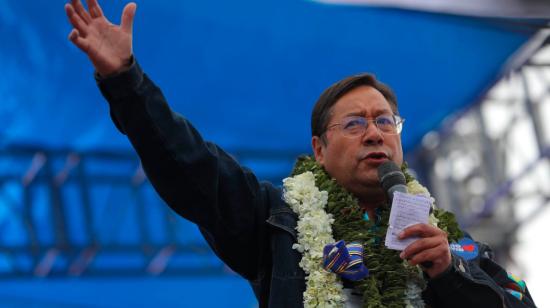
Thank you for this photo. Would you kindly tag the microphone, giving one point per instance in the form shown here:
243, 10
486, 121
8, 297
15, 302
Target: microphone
392, 179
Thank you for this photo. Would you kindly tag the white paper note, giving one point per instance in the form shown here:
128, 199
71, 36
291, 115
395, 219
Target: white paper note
406, 210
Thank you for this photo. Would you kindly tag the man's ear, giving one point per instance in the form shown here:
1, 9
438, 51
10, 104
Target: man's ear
318, 146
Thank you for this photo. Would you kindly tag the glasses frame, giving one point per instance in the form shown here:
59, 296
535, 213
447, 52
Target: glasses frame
397, 119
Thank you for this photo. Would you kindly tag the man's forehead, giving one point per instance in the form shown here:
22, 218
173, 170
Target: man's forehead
362, 101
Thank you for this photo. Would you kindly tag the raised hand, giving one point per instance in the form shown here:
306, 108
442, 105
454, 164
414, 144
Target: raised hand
108, 46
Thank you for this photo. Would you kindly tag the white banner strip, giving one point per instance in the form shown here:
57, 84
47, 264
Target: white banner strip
481, 8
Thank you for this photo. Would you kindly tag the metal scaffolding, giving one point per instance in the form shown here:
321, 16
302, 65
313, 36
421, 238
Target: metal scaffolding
94, 213
70, 214
490, 163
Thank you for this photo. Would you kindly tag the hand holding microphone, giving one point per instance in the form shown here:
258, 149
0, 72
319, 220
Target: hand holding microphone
431, 250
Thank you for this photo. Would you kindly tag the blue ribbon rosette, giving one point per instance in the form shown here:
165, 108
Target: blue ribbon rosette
345, 260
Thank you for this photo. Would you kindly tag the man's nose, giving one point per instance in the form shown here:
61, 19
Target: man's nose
372, 135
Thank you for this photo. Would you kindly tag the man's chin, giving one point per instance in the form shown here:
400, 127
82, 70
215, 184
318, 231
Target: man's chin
370, 183
369, 177
368, 191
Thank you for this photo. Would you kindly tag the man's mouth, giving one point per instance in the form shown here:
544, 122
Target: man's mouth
377, 157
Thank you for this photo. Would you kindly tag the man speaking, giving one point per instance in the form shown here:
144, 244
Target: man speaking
322, 240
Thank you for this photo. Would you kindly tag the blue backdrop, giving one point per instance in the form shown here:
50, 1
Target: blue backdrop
247, 73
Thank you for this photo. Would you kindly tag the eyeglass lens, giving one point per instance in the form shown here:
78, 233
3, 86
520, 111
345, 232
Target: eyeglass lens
357, 125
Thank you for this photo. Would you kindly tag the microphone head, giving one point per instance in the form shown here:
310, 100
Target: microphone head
389, 175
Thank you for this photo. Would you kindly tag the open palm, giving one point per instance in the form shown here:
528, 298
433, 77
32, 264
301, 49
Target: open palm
108, 46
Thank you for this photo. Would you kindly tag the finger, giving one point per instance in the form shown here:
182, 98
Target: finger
94, 8
79, 8
436, 254
421, 230
80, 42
76, 21
425, 256
421, 245
127, 19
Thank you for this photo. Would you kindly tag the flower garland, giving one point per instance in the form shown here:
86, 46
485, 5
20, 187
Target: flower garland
314, 232
327, 211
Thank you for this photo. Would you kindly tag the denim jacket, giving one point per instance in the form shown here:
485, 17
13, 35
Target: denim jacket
245, 221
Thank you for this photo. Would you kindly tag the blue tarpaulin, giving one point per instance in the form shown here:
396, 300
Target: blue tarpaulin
247, 73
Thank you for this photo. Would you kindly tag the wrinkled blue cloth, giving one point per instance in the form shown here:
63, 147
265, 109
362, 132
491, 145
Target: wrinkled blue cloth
345, 260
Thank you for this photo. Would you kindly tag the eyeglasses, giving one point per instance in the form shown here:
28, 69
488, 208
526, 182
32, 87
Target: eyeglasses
354, 126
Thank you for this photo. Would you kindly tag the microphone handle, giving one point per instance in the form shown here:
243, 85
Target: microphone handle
398, 187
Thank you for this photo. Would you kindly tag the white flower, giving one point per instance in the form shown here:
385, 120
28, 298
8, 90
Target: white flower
413, 296
323, 288
433, 220
416, 188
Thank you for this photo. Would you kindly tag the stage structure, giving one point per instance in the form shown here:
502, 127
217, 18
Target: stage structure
490, 164
67, 213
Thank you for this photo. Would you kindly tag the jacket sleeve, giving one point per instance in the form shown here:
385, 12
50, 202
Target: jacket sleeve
197, 179
479, 282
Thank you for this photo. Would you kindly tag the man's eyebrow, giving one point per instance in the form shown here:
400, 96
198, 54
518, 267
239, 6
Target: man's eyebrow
362, 113
355, 113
